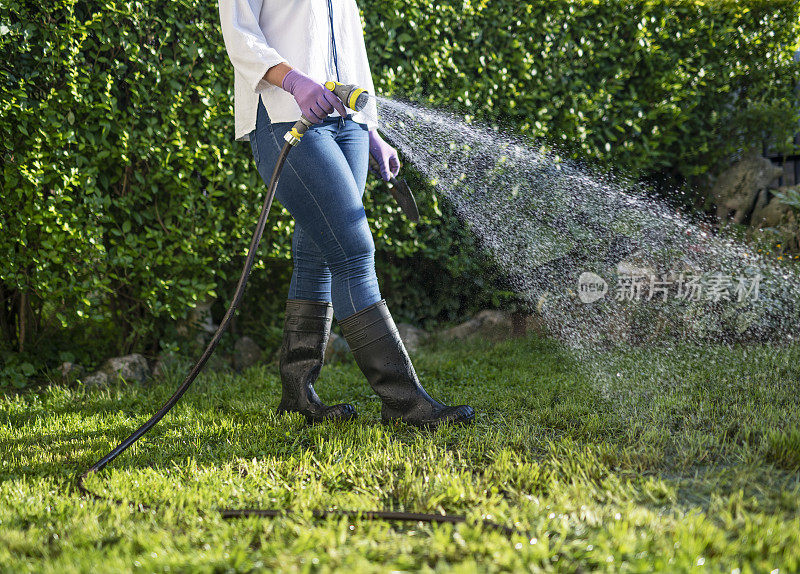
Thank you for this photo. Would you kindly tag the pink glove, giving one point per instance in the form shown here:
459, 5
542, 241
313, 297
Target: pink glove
385, 155
315, 100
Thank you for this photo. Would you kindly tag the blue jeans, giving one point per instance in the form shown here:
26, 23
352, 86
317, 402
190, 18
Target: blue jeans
321, 186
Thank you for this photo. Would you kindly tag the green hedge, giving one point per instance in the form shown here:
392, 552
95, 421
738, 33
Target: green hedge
125, 200
643, 85
661, 91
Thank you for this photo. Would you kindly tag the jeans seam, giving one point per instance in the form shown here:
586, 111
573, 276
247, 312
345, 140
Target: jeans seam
297, 279
322, 212
301, 241
255, 149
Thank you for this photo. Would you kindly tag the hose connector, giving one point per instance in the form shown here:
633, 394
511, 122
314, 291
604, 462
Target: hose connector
294, 135
351, 95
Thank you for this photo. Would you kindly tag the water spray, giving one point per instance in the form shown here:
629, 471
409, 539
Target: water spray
606, 266
356, 99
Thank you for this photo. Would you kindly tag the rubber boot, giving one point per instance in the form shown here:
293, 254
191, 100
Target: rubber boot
382, 357
306, 329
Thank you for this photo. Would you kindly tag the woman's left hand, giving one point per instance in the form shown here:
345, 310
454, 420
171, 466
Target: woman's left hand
385, 155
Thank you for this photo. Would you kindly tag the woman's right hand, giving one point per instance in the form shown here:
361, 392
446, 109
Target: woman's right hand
315, 100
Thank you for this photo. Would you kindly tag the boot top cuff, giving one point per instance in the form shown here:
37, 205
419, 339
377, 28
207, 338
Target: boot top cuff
368, 325
302, 315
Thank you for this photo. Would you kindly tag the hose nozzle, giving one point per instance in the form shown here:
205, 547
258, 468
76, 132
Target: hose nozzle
351, 95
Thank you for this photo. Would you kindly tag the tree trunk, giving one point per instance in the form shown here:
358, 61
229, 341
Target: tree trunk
23, 322
7, 316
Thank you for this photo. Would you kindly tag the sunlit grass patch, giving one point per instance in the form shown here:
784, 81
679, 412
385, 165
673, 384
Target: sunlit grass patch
679, 464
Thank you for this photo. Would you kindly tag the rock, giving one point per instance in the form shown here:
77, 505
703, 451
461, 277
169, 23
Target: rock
772, 212
160, 366
412, 336
246, 353
337, 349
633, 277
202, 319
166, 362
737, 188
70, 372
130, 368
635, 269
199, 320
98, 379
489, 323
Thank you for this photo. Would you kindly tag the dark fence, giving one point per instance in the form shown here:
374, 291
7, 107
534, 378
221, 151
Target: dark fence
790, 164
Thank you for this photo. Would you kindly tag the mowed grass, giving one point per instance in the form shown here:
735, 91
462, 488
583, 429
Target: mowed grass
692, 465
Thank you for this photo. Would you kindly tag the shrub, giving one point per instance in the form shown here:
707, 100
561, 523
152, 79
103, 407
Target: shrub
125, 200
642, 85
661, 91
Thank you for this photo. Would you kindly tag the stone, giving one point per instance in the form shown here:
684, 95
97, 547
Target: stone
160, 367
199, 320
737, 188
412, 336
489, 323
70, 372
772, 212
130, 368
201, 317
635, 269
337, 349
164, 363
98, 379
246, 353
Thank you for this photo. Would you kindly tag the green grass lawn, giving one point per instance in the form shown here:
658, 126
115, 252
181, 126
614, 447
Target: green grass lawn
674, 465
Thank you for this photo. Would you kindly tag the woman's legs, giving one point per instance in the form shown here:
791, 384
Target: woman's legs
311, 277
319, 188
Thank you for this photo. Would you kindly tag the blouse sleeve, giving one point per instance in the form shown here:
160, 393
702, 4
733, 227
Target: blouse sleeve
247, 47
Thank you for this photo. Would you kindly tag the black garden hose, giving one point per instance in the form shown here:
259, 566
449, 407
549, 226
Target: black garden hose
229, 513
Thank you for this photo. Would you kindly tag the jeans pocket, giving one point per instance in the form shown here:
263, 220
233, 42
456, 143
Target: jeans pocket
263, 122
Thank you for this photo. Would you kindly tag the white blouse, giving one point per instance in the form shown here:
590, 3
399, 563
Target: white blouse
259, 34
